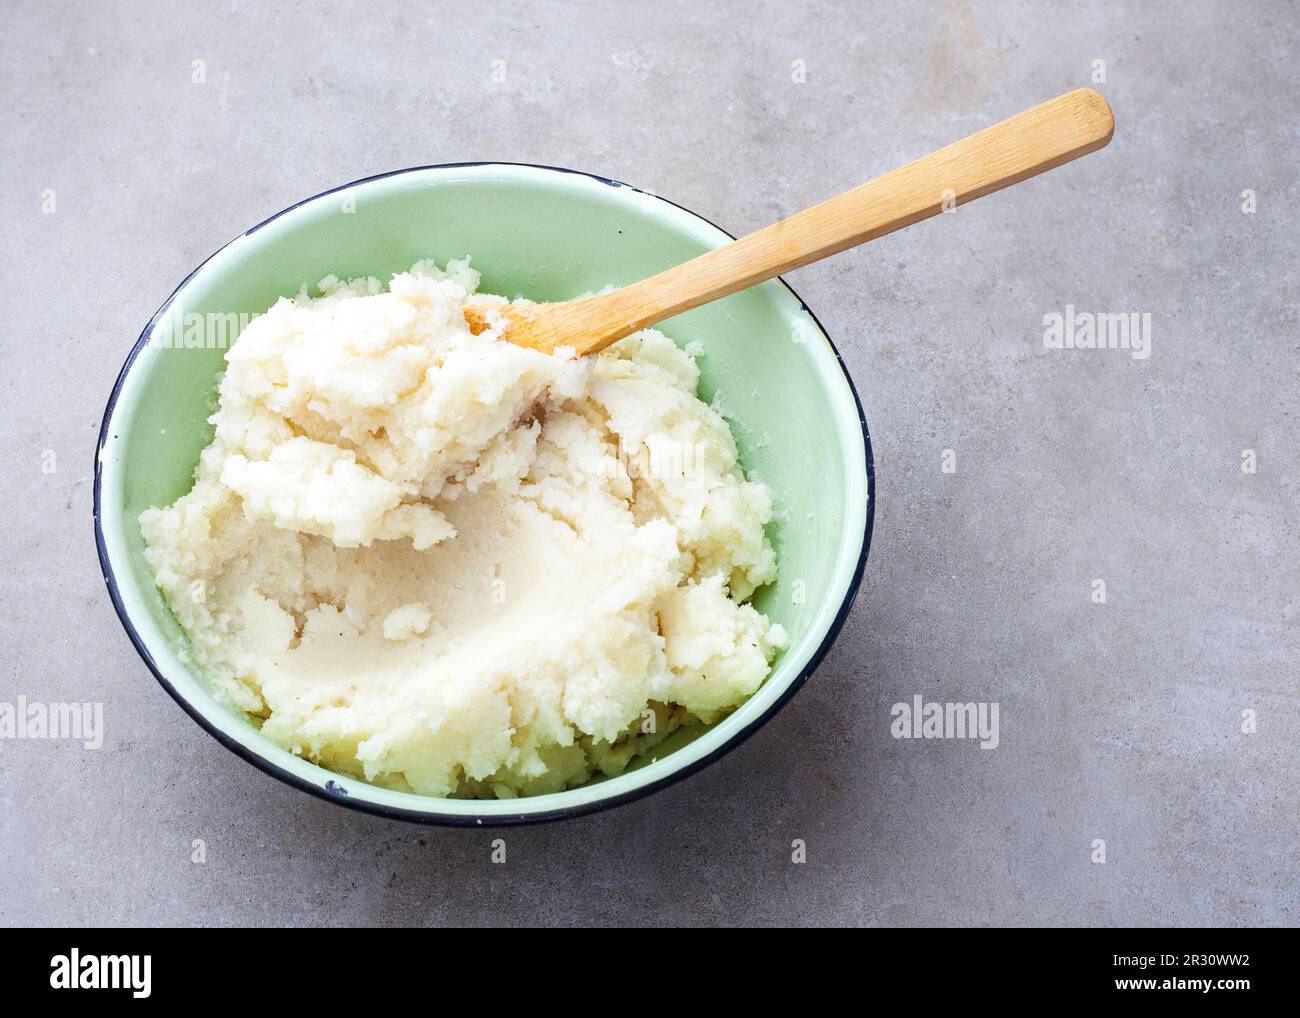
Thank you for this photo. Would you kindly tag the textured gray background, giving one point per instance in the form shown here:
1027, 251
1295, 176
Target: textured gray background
1119, 722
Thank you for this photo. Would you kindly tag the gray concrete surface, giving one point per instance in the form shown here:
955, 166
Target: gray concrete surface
1119, 722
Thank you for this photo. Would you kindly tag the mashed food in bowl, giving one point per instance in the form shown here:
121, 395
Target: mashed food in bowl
453, 566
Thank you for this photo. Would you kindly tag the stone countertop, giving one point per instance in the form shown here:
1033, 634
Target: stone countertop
1013, 478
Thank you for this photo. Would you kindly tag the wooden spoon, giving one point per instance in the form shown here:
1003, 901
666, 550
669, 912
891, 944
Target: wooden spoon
1038, 139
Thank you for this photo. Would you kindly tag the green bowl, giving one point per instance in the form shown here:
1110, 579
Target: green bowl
546, 234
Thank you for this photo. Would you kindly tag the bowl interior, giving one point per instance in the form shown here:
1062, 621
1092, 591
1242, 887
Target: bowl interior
547, 235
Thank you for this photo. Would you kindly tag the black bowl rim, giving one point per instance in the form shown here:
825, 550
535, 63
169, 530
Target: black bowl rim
337, 794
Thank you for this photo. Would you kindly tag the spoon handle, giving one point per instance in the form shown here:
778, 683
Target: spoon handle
1038, 139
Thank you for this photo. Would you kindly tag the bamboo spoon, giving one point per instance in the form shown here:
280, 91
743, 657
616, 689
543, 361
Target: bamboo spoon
1022, 146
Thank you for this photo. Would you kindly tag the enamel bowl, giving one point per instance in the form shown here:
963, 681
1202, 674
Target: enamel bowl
546, 234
